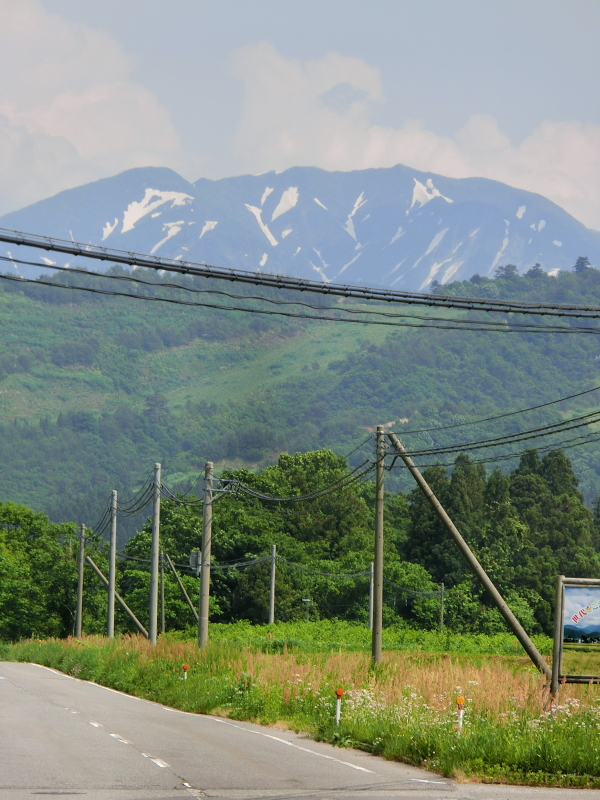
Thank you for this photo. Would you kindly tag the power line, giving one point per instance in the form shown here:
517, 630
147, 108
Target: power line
451, 324
498, 416
533, 433
466, 323
258, 278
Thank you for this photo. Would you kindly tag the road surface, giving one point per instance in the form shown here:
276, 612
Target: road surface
60, 736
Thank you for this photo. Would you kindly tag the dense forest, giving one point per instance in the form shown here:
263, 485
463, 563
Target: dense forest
525, 527
94, 389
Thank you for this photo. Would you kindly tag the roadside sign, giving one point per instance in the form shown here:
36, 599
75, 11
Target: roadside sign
576, 654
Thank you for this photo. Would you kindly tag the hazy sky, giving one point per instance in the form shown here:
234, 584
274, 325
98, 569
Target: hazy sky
503, 89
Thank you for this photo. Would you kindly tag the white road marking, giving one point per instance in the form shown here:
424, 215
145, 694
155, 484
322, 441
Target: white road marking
291, 744
119, 738
158, 761
96, 724
422, 780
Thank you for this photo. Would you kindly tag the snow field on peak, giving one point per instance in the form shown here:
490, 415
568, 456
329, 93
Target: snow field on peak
289, 198
137, 210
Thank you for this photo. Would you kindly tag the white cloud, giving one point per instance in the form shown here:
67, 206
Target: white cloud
319, 113
69, 110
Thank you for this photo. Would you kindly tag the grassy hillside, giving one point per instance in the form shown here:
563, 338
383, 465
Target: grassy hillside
94, 389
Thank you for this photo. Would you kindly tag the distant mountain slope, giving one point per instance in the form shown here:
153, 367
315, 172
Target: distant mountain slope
382, 227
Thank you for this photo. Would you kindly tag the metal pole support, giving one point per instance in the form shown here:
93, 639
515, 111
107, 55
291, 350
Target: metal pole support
376, 637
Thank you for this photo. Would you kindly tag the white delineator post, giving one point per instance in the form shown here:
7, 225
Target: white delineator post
338, 705
460, 704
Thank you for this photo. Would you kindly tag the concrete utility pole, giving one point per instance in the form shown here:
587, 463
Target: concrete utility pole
371, 591
79, 612
206, 548
112, 565
442, 589
378, 556
512, 622
154, 556
162, 593
272, 586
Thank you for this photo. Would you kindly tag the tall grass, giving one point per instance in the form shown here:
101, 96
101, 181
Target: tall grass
404, 709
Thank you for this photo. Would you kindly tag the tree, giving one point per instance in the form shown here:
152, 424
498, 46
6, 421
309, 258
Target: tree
582, 264
508, 271
535, 272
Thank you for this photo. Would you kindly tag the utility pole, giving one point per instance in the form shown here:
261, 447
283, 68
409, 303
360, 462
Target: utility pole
378, 555
441, 607
79, 613
206, 548
510, 619
272, 586
112, 565
371, 590
162, 593
154, 556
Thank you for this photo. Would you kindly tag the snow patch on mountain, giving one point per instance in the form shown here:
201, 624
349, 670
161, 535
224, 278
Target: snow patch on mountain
521, 211
289, 198
432, 245
209, 225
397, 235
258, 215
172, 229
349, 226
422, 194
108, 229
286, 232
136, 210
319, 203
345, 267
263, 260
265, 194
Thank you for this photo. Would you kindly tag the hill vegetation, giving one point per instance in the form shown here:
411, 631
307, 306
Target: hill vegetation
94, 389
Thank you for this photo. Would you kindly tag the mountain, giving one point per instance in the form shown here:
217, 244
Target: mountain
381, 227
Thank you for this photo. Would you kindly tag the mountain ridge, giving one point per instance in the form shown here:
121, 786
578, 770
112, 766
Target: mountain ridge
382, 227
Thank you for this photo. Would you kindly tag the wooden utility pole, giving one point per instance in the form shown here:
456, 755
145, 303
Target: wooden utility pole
272, 585
206, 550
154, 556
512, 622
378, 550
79, 612
112, 565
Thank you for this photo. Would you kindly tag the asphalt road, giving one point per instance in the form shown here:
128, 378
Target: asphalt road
60, 736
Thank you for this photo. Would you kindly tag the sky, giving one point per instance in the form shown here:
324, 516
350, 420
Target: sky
502, 89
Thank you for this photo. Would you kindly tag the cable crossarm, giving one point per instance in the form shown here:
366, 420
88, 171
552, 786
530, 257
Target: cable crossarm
106, 254
533, 433
341, 483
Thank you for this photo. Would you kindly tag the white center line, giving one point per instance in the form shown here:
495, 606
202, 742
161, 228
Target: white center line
119, 738
158, 761
96, 724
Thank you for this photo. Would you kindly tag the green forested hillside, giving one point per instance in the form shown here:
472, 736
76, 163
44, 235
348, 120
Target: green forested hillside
94, 389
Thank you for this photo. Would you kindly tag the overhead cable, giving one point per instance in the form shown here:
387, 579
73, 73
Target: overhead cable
258, 278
